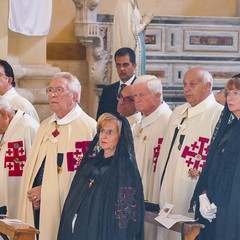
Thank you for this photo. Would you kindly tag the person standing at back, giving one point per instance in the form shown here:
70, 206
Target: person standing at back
185, 147
125, 61
149, 134
7, 90
126, 107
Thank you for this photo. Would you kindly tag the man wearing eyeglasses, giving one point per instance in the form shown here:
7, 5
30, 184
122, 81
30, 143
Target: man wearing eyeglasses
7, 90
126, 106
57, 151
125, 61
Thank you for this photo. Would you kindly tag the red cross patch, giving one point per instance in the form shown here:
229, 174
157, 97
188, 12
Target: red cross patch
15, 158
195, 155
74, 158
156, 153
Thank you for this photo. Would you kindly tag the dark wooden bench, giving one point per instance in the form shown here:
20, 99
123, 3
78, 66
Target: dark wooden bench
188, 230
18, 231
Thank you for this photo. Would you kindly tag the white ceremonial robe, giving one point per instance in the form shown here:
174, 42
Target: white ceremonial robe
148, 137
134, 120
19, 102
177, 187
14, 149
76, 130
31, 18
147, 142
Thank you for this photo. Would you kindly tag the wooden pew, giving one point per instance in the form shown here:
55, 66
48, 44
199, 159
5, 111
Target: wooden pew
18, 231
188, 230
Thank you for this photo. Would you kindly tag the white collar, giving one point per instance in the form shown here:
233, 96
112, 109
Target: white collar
72, 115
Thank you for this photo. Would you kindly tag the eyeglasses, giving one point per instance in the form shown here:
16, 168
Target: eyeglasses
108, 132
57, 91
235, 94
127, 99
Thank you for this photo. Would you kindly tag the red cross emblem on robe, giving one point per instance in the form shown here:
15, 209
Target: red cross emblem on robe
74, 158
156, 153
15, 158
195, 155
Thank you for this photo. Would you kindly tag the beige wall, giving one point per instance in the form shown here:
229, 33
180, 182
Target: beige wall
220, 8
62, 28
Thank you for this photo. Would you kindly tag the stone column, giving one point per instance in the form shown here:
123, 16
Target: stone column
27, 55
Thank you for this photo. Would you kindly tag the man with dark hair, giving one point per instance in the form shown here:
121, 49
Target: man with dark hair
125, 61
7, 90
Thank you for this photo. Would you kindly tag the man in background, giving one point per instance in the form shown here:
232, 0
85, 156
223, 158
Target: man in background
7, 90
125, 61
126, 106
185, 146
149, 134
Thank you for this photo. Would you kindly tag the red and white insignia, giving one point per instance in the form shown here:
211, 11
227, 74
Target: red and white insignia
15, 158
195, 156
74, 158
156, 153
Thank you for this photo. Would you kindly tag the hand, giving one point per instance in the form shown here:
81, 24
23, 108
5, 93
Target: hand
207, 210
34, 196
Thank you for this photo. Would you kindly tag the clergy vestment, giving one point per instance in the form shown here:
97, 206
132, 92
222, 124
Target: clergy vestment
19, 102
148, 137
189, 152
134, 120
14, 149
62, 153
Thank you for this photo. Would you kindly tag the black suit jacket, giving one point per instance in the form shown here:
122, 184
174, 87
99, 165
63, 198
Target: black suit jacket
108, 101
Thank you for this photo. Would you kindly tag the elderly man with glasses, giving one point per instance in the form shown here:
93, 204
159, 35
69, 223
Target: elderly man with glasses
126, 107
57, 151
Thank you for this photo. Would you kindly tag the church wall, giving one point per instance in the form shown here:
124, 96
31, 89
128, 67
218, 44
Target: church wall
64, 50
215, 8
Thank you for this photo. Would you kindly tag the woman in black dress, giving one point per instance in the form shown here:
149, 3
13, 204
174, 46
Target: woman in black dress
105, 201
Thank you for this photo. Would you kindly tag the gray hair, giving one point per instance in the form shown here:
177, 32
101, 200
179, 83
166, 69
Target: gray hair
4, 104
153, 83
73, 83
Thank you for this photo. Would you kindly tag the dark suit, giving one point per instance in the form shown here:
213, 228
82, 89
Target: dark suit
108, 101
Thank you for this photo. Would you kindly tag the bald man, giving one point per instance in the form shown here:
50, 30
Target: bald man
181, 164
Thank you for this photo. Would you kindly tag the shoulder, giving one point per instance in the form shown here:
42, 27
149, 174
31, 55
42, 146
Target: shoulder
111, 86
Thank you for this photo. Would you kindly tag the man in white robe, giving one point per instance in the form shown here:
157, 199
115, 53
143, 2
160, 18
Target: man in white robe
17, 131
149, 133
126, 107
195, 122
7, 90
57, 151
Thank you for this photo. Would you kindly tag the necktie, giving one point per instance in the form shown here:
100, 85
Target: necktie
122, 86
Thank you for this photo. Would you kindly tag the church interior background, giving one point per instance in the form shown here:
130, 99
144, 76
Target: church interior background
181, 35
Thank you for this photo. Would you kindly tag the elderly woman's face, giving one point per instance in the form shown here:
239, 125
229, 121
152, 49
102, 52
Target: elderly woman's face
108, 137
233, 101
